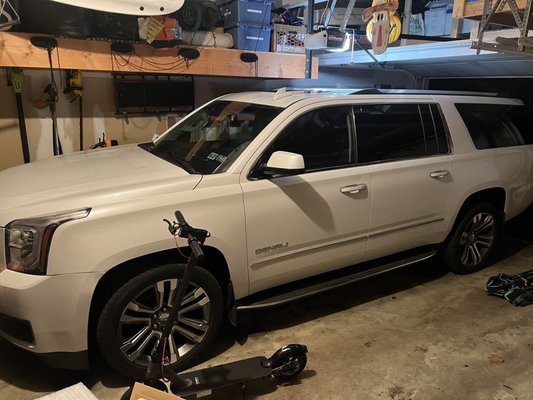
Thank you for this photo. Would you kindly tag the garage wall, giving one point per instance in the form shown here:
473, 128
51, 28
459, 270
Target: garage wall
99, 107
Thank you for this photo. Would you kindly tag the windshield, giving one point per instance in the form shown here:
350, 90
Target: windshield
212, 138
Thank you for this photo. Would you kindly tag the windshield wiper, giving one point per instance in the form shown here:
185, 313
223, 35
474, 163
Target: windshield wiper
168, 156
184, 164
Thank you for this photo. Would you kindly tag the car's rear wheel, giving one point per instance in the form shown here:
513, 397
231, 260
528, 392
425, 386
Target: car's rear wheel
474, 239
131, 322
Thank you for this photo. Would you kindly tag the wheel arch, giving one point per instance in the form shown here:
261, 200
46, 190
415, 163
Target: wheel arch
495, 196
214, 262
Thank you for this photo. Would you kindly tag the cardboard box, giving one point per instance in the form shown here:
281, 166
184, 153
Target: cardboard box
143, 392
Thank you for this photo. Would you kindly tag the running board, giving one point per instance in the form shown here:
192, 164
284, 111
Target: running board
308, 290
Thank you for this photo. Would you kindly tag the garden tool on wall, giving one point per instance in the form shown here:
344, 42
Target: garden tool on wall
104, 142
74, 85
385, 26
49, 44
16, 79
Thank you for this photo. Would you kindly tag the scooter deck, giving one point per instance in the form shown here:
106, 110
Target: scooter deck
224, 375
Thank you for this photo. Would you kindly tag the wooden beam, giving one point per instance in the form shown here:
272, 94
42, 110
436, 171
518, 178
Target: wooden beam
468, 9
458, 8
90, 55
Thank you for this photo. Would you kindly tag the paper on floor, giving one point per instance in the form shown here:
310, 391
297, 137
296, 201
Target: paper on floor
76, 392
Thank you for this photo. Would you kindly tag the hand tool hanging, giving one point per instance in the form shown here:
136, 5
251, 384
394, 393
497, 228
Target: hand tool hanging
16, 79
74, 84
49, 44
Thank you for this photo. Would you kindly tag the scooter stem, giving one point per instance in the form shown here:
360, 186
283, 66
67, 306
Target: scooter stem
157, 359
154, 373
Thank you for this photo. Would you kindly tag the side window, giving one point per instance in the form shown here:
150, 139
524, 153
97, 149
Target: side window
323, 137
489, 126
389, 132
432, 146
434, 130
440, 130
520, 117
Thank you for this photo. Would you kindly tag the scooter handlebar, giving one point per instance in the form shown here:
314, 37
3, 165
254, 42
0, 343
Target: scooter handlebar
193, 235
180, 218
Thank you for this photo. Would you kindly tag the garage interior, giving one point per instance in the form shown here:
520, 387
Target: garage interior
420, 332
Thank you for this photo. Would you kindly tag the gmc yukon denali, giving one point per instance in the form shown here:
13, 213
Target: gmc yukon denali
302, 193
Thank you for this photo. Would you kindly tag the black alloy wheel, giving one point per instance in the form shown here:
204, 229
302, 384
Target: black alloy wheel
130, 325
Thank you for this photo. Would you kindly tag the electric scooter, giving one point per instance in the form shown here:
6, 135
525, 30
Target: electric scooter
284, 364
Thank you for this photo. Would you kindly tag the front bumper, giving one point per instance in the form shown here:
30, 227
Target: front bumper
51, 312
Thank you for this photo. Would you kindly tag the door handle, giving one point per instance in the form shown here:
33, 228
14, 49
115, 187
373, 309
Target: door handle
352, 189
439, 174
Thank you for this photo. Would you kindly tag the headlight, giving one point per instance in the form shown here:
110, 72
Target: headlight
28, 240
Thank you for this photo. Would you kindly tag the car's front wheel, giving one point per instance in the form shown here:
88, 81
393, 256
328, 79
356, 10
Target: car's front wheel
131, 322
474, 239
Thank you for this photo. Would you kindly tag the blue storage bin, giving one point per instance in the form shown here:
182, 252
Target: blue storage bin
247, 12
255, 38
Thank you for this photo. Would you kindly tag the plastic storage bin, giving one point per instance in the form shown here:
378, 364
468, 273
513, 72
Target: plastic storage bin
255, 38
247, 12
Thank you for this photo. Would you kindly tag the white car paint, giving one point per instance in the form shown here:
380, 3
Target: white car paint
270, 232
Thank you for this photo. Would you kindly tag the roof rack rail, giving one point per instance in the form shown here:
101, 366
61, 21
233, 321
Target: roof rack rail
427, 92
340, 90
286, 91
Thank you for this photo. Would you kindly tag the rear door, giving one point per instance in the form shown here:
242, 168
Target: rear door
412, 175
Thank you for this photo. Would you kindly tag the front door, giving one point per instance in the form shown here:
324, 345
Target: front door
303, 225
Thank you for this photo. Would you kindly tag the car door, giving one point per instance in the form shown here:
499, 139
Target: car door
412, 175
302, 225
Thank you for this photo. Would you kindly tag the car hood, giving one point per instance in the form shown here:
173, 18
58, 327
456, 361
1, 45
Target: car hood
86, 179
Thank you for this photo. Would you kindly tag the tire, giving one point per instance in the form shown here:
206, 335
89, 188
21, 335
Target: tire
290, 366
211, 16
129, 327
474, 239
189, 16
127, 394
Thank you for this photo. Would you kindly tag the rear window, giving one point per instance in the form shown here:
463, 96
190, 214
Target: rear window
494, 125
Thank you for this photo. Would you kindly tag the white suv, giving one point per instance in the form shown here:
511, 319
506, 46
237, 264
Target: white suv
302, 192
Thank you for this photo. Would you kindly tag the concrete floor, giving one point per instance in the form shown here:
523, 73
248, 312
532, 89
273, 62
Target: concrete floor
416, 333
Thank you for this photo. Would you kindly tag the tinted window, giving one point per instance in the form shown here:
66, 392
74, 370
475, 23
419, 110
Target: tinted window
389, 132
432, 147
521, 118
440, 130
489, 125
321, 136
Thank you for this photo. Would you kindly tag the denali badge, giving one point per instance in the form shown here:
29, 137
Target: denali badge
268, 249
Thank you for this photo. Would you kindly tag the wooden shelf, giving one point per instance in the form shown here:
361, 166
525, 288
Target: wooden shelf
89, 55
474, 10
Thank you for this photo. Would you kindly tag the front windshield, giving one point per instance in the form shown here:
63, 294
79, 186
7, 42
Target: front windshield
212, 138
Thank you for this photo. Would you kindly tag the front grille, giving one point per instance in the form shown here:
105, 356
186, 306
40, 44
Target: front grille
17, 328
